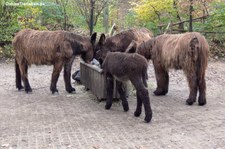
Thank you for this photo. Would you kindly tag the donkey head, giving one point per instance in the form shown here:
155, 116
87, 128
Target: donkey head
148, 47
101, 50
145, 48
87, 51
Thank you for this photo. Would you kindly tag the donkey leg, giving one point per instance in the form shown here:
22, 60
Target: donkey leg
67, 75
143, 95
139, 106
192, 82
162, 79
18, 76
202, 91
122, 92
145, 78
55, 75
139, 100
109, 89
24, 75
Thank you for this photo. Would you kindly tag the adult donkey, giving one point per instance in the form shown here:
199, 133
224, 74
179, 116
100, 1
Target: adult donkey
187, 51
120, 41
57, 48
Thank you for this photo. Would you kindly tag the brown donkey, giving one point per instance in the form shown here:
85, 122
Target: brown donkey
57, 48
120, 41
124, 67
188, 51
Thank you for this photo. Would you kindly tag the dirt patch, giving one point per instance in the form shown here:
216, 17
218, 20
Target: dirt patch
43, 120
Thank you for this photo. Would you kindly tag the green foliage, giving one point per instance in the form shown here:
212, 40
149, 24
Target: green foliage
130, 19
7, 51
152, 13
8, 24
152, 27
29, 17
67, 15
154, 10
216, 20
51, 16
214, 29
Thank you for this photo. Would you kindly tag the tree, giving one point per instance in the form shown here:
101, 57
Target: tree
8, 24
190, 12
106, 17
91, 23
64, 4
88, 8
153, 10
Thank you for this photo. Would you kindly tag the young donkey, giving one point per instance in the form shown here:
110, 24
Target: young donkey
188, 51
120, 41
57, 48
123, 67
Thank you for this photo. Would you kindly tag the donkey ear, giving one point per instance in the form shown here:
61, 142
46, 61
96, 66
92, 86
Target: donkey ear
93, 38
102, 39
132, 47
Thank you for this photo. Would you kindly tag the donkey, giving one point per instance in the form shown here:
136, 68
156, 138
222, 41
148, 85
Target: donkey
57, 48
120, 41
124, 67
187, 51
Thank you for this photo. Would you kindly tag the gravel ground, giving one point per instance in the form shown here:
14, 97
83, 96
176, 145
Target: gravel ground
79, 121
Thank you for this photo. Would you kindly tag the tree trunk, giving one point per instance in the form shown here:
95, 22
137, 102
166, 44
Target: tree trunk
181, 25
91, 26
106, 18
190, 13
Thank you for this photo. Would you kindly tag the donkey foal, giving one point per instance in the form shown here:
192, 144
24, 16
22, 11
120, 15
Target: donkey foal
124, 67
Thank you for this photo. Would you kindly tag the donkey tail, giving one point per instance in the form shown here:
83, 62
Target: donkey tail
145, 76
201, 48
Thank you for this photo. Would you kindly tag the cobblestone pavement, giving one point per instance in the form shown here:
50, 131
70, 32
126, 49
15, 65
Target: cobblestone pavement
79, 121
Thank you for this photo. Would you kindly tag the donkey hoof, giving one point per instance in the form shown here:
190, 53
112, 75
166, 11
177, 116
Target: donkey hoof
160, 92
28, 90
71, 90
20, 87
189, 102
137, 113
125, 107
55, 90
148, 118
108, 106
201, 102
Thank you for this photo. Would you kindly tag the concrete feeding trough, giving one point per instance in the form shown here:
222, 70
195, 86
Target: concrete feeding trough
92, 78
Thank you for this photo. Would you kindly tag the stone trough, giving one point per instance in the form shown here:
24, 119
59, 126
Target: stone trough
92, 78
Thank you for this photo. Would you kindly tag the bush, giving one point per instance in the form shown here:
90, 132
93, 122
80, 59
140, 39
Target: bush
6, 51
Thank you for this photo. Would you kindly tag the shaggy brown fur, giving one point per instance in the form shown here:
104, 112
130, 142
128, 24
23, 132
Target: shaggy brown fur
120, 41
188, 51
123, 67
56, 48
